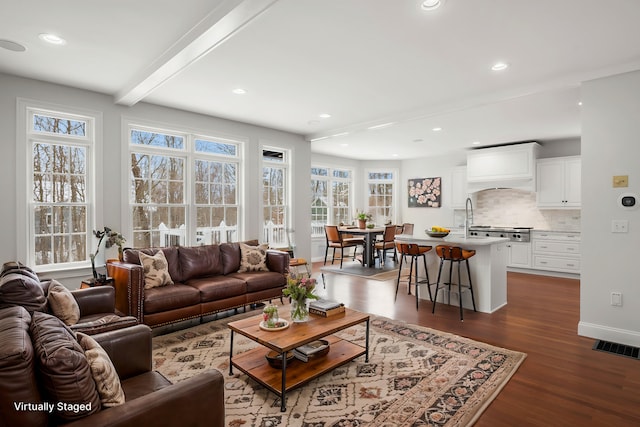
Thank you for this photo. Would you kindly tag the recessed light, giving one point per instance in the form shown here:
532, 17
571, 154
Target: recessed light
13, 46
239, 91
579, 103
383, 125
394, 155
431, 4
52, 39
437, 129
499, 66
476, 143
344, 145
324, 115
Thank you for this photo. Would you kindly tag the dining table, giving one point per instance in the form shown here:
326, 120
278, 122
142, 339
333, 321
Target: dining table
369, 234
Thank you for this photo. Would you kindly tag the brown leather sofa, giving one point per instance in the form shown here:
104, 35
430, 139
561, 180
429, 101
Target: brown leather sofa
150, 399
206, 281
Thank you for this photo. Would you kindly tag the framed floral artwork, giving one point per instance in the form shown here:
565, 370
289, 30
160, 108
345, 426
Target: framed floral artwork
425, 193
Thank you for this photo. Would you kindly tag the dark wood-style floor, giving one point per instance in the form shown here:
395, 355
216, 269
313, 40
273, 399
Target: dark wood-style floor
562, 382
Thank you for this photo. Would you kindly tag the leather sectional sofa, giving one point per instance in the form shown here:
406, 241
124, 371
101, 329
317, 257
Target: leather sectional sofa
206, 281
44, 380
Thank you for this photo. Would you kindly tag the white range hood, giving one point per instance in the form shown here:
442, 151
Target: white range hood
508, 166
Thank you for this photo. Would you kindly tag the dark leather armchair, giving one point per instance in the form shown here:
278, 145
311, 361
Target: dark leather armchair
150, 399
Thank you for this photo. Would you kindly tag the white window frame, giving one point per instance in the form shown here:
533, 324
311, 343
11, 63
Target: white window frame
330, 180
394, 192
286, 165
92, 141
190, 155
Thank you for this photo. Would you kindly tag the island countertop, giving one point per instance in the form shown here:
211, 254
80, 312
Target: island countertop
451, 239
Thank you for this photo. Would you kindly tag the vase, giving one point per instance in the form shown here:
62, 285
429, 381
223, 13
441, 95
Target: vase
362, 223
300, 310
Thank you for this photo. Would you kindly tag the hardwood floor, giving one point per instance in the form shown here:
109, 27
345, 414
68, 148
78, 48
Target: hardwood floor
563, 382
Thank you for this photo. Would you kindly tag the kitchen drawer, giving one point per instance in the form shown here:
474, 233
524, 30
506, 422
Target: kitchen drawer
556, 263
541, 235
555, 247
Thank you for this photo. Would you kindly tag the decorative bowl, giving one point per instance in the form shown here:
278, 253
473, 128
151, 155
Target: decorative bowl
275, 359
436, 233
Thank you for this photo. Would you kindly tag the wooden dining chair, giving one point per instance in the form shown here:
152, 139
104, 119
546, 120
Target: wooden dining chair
386, 244
335, 241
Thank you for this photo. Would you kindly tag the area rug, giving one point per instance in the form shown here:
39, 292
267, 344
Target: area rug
415, 377
356, 269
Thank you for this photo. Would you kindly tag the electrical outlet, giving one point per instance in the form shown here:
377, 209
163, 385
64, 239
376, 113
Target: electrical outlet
619, 226
616, 299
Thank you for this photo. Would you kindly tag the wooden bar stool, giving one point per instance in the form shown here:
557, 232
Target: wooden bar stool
454, 254
414, 251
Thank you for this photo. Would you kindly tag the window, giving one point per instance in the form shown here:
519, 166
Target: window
275, 166
183, 188
380, 200
331, 198
59, 148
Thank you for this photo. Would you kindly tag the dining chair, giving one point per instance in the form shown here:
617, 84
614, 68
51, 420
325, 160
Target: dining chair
386, 244
335, 241
407, 228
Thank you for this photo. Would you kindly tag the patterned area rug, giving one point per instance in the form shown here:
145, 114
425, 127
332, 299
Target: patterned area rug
415, 377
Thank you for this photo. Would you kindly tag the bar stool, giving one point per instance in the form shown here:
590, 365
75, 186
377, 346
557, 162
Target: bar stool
458, 255
414, 251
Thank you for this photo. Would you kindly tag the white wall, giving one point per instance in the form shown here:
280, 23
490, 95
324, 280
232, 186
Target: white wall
429, 167
12, 88
610, 146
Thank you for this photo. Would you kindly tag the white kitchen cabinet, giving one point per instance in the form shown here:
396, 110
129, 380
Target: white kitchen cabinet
458, 187
519, 254
556, 251
559, 182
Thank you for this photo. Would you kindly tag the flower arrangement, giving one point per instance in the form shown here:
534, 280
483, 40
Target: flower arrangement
300, 289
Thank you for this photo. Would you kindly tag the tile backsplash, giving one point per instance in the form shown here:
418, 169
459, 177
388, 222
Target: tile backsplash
517, 208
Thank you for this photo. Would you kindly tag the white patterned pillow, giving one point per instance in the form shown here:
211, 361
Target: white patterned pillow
156, 270
62, 303
253, 258
103, 372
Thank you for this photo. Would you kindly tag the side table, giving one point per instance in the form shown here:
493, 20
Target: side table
91, 282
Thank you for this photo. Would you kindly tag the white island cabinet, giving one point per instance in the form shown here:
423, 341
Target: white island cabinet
488, 269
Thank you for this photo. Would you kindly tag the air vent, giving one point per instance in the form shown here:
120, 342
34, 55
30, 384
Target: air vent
619, 349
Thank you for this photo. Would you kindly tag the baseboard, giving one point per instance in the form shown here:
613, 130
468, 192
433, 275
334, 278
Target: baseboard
607, 333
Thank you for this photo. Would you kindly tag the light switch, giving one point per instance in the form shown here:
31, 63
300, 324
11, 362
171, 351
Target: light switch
621, 181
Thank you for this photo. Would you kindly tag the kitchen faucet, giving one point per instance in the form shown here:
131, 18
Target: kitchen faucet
468, 209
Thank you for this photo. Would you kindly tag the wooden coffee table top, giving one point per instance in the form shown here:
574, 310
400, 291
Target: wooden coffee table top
297, 334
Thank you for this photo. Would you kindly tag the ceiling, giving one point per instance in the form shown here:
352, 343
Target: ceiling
364, 62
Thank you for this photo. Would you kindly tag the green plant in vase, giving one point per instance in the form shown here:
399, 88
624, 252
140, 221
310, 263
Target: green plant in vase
300, 290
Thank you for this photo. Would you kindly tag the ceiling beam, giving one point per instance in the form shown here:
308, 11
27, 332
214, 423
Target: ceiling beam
219, 25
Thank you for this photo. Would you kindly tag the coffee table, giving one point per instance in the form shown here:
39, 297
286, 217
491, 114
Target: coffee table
280, 381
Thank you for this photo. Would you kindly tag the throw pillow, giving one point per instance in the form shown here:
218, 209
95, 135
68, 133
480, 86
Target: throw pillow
253, 258
103, 372
62, 303
156, 270
22, 289
63, 368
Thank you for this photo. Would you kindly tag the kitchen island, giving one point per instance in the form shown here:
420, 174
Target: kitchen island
488, 269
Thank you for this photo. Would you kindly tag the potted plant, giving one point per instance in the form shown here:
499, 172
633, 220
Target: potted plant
362, 218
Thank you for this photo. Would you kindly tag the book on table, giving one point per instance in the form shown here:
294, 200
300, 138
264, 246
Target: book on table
326, 308
304, 352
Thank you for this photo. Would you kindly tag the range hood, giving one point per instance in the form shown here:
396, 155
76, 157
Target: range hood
507, 166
